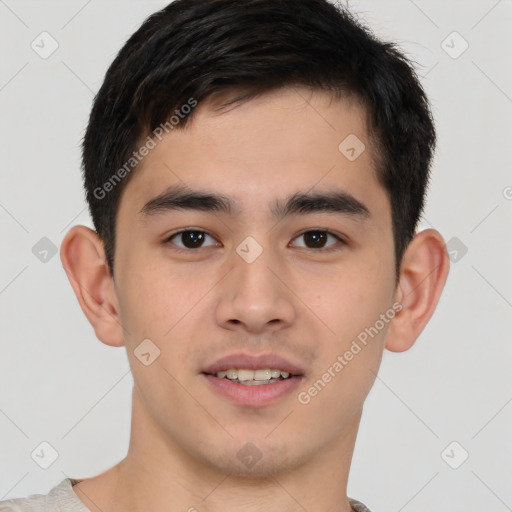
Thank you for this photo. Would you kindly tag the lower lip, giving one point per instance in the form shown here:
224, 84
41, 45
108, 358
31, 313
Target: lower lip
253, 396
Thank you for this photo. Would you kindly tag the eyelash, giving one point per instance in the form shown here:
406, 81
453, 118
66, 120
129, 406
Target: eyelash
331, 248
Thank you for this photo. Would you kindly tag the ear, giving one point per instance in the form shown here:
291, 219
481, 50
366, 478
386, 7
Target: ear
422, 278
83, 258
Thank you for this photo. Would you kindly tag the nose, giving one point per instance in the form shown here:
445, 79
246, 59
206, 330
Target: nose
254, 297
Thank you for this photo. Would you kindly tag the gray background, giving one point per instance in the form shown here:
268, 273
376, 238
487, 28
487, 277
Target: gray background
62, 386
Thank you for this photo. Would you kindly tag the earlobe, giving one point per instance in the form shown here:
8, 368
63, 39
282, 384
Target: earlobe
423, 274
83, 258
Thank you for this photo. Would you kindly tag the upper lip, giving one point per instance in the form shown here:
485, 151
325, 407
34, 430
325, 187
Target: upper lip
252, 362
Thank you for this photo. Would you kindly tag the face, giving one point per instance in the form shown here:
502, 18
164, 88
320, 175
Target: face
257, 276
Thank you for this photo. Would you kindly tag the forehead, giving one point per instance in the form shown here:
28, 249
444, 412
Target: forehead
284, 141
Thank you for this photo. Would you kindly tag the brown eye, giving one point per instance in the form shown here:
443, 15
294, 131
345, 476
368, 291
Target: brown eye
317, 239
189, 239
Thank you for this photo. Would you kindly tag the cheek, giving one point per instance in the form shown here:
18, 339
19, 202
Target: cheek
146, 301
350, 299
351, 305
165, 306
158, 309
345, 372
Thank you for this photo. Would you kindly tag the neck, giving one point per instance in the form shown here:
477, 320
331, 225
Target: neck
157, 474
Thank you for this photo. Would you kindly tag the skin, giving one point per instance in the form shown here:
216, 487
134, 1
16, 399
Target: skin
305, 304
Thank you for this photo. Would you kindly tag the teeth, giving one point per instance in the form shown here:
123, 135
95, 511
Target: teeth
231, 374
258, 382
254, 377
245, 375
262, 375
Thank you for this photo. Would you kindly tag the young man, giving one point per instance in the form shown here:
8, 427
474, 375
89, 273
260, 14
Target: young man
255, 171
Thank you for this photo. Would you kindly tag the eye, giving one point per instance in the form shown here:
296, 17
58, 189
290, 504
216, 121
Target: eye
317, 238
190, 239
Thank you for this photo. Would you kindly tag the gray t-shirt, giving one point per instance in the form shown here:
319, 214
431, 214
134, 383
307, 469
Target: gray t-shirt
62, 498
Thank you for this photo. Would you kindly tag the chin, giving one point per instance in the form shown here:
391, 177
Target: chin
255, 459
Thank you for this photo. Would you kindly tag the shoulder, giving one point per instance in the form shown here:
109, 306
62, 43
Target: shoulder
357, 506
61, 497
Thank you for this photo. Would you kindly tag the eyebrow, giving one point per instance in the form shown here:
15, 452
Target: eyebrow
182, 197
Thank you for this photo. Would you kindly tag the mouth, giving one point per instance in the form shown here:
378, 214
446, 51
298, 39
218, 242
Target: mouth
253, 381
258, 377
